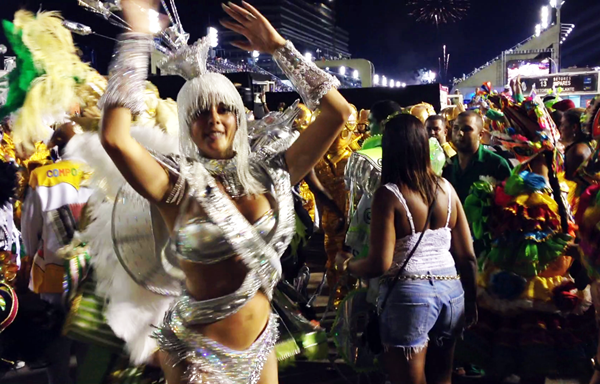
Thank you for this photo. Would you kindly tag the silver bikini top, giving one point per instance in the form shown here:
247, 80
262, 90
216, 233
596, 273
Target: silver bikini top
202, 241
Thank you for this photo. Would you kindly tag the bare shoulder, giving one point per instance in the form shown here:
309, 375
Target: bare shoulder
384, 198
448, 188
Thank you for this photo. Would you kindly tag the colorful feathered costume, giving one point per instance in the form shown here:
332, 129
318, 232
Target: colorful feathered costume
588, 210
43, 86
533, 319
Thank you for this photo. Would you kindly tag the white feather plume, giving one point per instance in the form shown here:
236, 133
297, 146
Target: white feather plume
131, 310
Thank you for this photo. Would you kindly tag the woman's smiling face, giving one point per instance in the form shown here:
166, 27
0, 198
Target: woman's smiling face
213, 131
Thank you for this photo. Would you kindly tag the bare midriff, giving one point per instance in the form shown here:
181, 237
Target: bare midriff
208, 281
239, 330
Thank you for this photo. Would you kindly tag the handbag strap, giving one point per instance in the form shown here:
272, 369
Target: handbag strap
412, 252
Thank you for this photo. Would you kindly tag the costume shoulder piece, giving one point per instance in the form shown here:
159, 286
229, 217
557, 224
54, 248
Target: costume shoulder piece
363, 171
273, 133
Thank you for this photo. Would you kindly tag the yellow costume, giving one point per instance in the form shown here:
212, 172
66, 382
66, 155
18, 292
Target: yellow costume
302, 121
421, 111
330, 171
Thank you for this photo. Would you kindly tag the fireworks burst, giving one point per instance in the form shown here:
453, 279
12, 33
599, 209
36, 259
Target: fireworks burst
439, 11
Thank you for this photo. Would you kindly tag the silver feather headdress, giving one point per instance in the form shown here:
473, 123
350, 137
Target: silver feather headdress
202, 90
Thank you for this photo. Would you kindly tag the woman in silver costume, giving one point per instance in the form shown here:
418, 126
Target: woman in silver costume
230, 211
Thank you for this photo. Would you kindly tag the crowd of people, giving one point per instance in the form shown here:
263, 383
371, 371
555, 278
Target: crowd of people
164, 240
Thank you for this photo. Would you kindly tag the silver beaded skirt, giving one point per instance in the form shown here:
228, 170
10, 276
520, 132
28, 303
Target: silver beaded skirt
209, 362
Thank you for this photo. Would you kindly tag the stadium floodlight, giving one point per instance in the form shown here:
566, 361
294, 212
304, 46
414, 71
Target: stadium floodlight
255, 54
538, 30
376, 79
355, 75
343, 71
545, 17
308, 56
213, 36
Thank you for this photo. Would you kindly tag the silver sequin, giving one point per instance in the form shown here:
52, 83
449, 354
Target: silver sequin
128, 73
311, 82
210, 362
362, 174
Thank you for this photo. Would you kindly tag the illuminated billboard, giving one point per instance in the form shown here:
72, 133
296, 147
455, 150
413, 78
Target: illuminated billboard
527, 68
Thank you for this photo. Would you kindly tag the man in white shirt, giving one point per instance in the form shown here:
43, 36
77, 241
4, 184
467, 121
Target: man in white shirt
50, 217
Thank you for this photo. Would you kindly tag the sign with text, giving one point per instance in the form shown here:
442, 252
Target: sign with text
571, 83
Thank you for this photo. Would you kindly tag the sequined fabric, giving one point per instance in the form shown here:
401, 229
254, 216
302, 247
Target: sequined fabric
189, 61
310, 82
129, 70
193, 312
226, 172
363, 173
201, 241
210, 362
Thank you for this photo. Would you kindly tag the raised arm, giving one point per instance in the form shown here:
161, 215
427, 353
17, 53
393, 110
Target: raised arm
316, 87
124, 94
312, 145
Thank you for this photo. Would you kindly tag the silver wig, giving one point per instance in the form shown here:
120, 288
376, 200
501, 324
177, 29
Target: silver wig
201, 93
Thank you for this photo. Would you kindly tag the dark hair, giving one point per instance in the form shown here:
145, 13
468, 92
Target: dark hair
595, 110
557, 117
573, 117
382, 109
476, 115
406, 158
436, 118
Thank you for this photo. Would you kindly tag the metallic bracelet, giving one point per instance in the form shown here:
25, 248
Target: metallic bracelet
310, 82
178, 191
128, 73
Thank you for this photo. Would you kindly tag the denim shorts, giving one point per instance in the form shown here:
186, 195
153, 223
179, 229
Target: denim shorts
420, 310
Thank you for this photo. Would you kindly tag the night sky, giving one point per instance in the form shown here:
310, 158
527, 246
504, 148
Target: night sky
396, 44
383, 32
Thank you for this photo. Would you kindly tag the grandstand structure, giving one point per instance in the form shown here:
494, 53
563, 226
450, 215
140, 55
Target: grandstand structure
537, 48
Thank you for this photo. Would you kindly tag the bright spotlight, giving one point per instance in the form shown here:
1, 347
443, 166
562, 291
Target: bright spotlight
255, 54
355, 74
545, 17
376, 79
538, 30
392, 83
213, 37
384, 81
343, 71
403, 85
308, 56
398, 84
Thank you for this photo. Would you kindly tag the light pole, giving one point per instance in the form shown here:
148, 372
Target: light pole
557, 5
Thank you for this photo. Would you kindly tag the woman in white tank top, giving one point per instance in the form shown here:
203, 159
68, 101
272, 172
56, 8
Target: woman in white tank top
434, 298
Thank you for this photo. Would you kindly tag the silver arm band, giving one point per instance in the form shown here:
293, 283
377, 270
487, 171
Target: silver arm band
310, 82
128, 73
